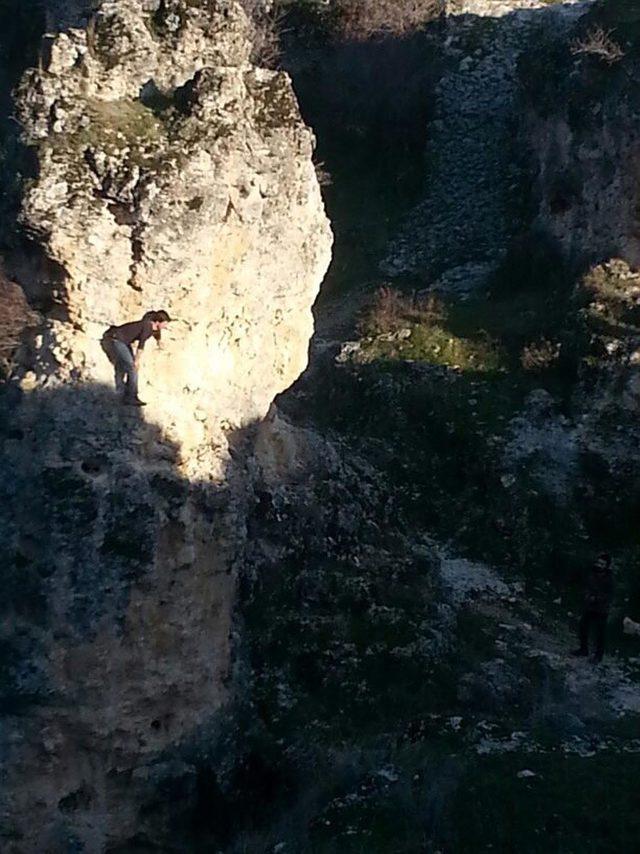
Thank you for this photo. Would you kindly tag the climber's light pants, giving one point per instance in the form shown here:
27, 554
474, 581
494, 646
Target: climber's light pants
124, 366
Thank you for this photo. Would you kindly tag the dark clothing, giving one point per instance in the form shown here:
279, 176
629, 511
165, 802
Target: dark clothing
599, 592
597, 601
592, 621
137, 330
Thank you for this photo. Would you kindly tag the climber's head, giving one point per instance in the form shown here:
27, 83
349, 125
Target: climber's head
159, 319
603, 562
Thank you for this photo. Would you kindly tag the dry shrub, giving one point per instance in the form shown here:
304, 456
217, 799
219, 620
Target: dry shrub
540, 355
610, 292
427, 308
325, 178
266, 20
385, 312
598, 42
15, 317
390, 310
363, 19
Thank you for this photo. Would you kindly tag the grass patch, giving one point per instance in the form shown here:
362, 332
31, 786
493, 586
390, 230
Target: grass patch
401, 327
433, 344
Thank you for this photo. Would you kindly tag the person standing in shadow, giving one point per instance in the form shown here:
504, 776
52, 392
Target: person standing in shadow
595, 612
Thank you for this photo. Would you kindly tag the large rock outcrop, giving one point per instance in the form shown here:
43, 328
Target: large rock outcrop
171, 174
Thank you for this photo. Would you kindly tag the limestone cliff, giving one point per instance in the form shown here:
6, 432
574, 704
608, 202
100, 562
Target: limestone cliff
580, 126
171, 174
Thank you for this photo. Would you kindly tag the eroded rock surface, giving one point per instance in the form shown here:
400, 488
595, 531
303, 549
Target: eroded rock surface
580, 123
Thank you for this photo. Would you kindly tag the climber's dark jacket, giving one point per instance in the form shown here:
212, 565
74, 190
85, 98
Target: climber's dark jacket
599, 591
138, 330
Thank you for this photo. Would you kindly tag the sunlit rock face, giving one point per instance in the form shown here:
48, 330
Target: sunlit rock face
171, 174
175, 175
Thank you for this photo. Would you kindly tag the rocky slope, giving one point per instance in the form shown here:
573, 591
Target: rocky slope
171, 174
473, 204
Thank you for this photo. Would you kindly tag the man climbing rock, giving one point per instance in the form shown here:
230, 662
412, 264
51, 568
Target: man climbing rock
597, 601
117, 342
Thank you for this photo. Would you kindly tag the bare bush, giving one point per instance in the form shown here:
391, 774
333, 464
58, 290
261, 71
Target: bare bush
266, 20
383, 314
15, 317
363, 19
428, 308
325, 178
540, 355
598, 42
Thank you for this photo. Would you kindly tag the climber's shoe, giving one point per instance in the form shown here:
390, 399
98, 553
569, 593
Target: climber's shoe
133, 401
579, 653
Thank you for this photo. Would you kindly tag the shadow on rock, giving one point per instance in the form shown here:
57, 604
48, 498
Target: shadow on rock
119, 580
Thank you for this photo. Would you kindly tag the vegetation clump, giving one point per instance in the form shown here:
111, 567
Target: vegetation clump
397, 326
612, 295
598, 43
266, 23
365, 19
337, 20
129, 121
540, 355
390, 308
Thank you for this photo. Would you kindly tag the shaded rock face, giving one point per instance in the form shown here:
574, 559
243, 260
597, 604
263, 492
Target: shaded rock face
581, 124
171, 174
584, 136
61, 14
588, 192
117, 625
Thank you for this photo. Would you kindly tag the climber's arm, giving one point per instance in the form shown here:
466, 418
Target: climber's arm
146, 333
